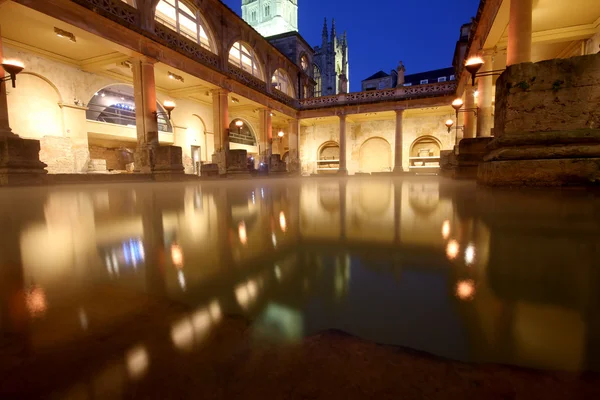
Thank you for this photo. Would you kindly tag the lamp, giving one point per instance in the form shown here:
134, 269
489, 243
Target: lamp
13, 67
239, 123
169, 106
449, 124
473, 65
280, 134
457, 104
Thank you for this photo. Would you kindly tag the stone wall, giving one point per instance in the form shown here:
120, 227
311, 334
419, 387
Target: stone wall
57, 153
555, 95
415, 123
116, 158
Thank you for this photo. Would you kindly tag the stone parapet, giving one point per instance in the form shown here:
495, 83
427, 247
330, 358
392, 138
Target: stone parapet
471, 152
547, 125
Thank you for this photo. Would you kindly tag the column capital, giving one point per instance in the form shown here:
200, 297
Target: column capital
399, 111
220, 91
342, 117
144, 60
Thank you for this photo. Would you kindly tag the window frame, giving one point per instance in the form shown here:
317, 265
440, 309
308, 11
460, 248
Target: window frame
203, 38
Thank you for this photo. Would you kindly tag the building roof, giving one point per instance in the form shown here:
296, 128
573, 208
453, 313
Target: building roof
289, 34
433, 74
378, 75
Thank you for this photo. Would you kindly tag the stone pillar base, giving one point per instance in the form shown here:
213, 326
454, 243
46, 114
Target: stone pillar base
543, 159
220, 158
276, 166
20, 162
167, 160
448, 163
470, 155
237, 162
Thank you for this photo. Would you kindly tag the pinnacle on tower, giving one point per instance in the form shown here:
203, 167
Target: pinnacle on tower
332, 29
324, 35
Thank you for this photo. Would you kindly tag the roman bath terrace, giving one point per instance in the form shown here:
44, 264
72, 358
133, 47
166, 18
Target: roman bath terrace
190, 209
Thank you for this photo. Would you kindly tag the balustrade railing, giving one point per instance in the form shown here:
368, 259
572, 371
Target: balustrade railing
113, 9
374, 96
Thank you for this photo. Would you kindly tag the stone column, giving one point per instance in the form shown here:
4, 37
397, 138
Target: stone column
144, 91
398, 143
19, 158
220, 98
343, 170
519, 32
75, 129
4, 124
269, 135
469, 115
294, 145
484, 101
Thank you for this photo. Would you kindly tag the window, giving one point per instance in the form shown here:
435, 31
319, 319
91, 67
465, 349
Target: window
267, 10
424, 81
317, 78
408, 84
304, 63
243, 57
381, 85
253, 15
452, 77
442, 79
281, 82
177, 16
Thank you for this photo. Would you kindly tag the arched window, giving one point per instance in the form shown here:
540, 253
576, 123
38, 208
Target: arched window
130, 2
317, 78
115, 104
176, 15
281, 82
244, 57
241, 132
267, 10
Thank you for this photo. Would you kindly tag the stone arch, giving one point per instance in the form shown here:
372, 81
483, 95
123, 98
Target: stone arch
282, 81
238, 46
201, 22
115, 104
35, 107
375, 155
132, 3
247, 130
425, 144
328, 157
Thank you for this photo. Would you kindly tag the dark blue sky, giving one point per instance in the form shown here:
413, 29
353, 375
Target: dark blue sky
382, 32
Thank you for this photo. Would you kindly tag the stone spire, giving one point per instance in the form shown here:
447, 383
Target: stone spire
324, 36
333, 31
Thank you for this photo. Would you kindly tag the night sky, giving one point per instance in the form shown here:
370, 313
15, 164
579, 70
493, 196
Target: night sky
382, 32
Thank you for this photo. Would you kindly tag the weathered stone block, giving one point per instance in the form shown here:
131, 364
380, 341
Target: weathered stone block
554, 95
471, 152
209, 170
237, 162
19, 162
547, 125
167, 160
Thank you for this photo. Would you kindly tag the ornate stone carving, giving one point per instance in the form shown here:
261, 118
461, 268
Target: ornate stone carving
400, 93
175, 41
113, 8
246, 78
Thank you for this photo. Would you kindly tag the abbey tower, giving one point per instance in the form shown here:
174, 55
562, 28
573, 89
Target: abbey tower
271, 17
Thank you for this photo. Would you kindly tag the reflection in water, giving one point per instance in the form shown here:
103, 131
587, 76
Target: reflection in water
512, 278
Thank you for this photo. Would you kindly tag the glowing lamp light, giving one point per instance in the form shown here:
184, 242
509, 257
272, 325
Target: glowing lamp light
282, 222
457, 104
239, 123
446, 229
469, 254
12, 67
473, 65
449, 124
177, 255
36, 302
169, 106
280, 134
465, 290
242, 232
452, 249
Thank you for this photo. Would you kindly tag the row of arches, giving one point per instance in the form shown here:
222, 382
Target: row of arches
182, 17
375, 154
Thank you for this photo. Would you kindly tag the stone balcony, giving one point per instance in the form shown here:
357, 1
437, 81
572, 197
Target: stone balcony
378, 96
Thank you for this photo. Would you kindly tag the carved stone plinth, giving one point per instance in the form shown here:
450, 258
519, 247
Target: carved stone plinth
20, 162
219, 157
470, 154
237, 162
276, 166
209, 170
168, 162
547, 125
448, 163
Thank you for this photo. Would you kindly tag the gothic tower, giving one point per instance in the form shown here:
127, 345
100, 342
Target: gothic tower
332, 60
271, 17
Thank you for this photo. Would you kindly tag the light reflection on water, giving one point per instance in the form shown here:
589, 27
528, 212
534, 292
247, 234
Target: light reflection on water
463, 272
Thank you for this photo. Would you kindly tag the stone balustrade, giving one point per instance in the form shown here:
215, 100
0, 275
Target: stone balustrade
376, 96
